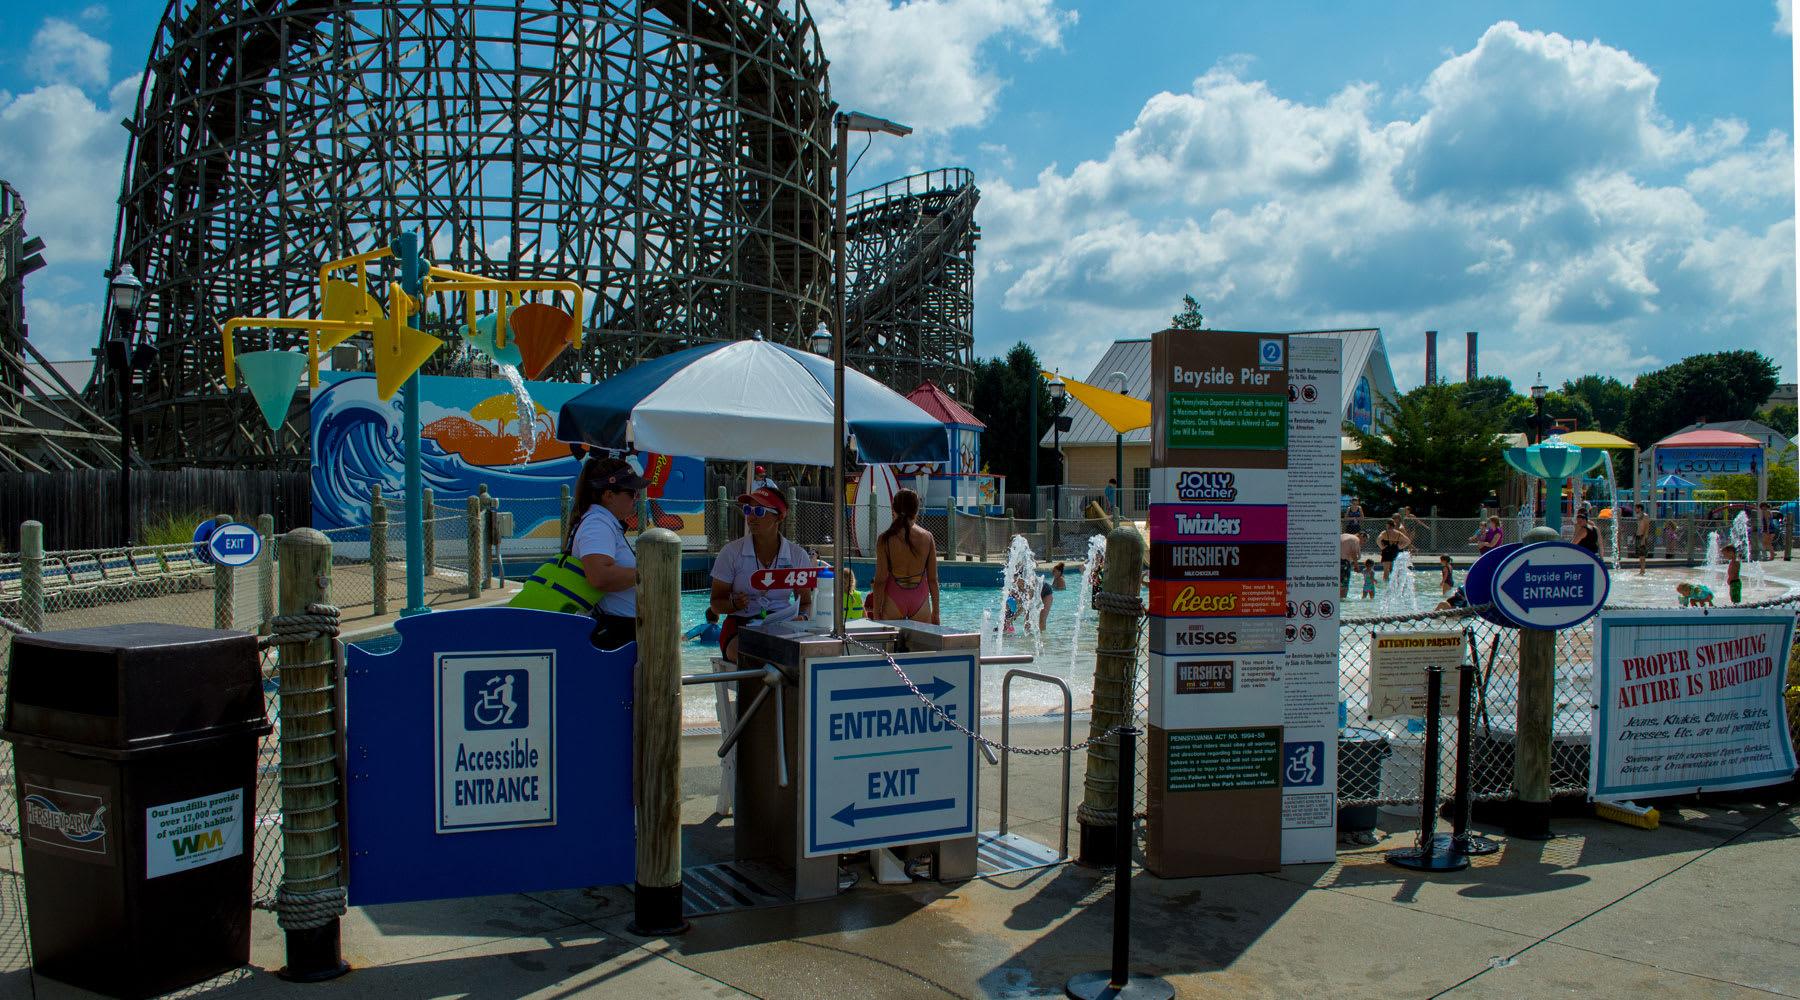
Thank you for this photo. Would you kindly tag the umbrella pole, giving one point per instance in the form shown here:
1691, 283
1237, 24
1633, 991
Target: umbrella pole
842, 592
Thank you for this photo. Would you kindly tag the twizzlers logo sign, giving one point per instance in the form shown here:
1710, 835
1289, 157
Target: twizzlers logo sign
1194, 485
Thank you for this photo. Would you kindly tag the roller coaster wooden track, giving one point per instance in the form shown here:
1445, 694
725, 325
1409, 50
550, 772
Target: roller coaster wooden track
672, 155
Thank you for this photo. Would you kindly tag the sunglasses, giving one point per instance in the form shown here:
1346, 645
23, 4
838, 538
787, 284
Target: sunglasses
758, 510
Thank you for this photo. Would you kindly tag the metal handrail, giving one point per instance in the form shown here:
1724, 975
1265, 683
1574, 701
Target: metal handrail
1068, 735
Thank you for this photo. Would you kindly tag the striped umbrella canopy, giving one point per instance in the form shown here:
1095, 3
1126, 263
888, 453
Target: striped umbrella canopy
748, 399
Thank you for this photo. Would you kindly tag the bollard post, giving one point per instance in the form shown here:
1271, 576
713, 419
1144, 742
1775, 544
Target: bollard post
428, 502
1461, 840
311, 900
31, 575
378, 552
265, 574
222, 584
1433, 853
656, 710
1118, 982
950, 536
474, 547
483, 566
1115, 685
1529, 817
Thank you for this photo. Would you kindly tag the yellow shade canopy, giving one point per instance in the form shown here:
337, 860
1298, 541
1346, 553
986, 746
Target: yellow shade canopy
1596, 439
1121, 412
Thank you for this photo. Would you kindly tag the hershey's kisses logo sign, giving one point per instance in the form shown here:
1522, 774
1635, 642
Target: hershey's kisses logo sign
1195, 485
66, 819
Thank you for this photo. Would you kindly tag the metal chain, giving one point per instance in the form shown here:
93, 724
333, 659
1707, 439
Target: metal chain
996, 745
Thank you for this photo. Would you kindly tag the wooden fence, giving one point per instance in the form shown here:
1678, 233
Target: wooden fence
79, 508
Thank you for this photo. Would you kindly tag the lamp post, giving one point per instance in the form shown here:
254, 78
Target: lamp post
1538, 391
125, 357
1119, 454
847, 122
1058, 391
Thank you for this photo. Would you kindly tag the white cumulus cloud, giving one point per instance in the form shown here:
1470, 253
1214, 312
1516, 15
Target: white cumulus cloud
63, 53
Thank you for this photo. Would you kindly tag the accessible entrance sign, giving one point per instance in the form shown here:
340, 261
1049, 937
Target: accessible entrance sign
879, 767
478, 769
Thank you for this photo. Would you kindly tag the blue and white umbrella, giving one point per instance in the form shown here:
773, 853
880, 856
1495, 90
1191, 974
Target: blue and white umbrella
748, 399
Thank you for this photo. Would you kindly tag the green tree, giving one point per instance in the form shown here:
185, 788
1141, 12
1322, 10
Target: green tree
1189, 318
1728, 385
1742, 486
1782, 418
1001, 395
1607, 398
1436, 450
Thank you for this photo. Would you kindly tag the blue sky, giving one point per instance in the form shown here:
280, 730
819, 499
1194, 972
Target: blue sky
1595, 187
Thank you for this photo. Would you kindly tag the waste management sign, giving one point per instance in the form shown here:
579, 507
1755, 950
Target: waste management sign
1690, 701
475, 768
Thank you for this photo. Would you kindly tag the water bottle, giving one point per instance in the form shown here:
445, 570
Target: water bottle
824, 605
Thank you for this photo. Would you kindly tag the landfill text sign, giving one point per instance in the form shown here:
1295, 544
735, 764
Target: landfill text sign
881, 767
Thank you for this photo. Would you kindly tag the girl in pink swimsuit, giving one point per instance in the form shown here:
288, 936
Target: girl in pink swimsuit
895, 595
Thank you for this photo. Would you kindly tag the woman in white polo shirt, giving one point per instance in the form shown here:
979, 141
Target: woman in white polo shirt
608, 489
762, 548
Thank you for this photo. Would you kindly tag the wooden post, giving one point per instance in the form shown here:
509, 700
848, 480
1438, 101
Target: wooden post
562, 522
1530, 817
642, 509
378, 550
789, 525
950, 539
483, 569
1012, 529
31, 575
265, 575
222, 581
981, 539
474, 547
430, 514
1115, 692
657, 714
1787, 539
721, 522
874, 528
309, 682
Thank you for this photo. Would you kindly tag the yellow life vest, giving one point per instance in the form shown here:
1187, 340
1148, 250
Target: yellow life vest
558, 585
856, 604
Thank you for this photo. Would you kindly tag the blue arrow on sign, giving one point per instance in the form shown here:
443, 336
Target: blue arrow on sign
937, 688
850, 813
1556, 586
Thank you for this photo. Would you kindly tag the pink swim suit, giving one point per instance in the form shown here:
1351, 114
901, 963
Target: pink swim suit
906, 600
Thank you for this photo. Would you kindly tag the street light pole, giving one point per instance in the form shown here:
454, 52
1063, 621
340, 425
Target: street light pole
123, 295
1538, 392
847, 122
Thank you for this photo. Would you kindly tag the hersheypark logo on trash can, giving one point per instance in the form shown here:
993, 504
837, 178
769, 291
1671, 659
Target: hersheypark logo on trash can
65, 819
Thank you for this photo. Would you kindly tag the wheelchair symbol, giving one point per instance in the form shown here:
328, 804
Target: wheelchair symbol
495, 700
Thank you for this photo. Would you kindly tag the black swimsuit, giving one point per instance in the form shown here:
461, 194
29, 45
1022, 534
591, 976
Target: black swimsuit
1389, 552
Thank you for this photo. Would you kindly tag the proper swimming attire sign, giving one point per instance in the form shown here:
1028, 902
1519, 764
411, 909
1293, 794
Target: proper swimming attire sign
1690, 701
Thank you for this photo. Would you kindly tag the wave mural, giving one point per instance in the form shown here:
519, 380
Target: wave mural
357, 443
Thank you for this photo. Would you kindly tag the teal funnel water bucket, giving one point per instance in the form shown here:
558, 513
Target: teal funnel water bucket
482, 339
273, 378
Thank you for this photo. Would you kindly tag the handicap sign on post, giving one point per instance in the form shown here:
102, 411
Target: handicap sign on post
879, 767
475, 768
1550, 585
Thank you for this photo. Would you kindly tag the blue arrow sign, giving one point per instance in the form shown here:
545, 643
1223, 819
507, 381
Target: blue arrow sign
937, 688
1550, 586
852, 812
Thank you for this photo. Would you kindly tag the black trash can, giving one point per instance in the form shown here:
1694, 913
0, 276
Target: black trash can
135, 755
1360, 755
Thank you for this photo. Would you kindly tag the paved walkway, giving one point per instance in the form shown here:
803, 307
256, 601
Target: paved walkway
1703, 907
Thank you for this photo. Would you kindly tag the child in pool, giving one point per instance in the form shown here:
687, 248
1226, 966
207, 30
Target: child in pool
1368, 572
706, 631
1693, 595
1733, 580
1447, 581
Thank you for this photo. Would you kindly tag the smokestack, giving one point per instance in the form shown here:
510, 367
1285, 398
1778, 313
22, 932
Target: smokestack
1431, 357
1473, 369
